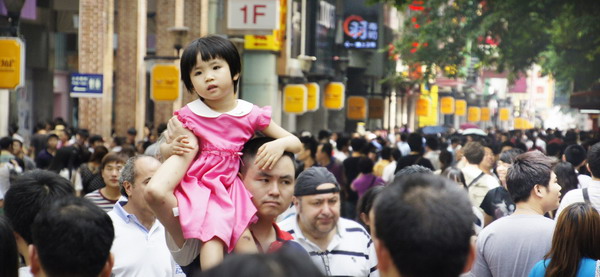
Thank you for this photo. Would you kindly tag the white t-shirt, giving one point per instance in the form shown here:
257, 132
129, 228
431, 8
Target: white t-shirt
576, 196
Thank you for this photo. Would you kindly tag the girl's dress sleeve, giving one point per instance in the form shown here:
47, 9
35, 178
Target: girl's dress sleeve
184, 117
263, 118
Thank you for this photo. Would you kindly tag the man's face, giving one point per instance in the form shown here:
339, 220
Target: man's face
145, 167
320, 155
303, 154
111, 173
52, 142
272, 189
318, 214
502, 169
551, 194
16, 147
488, 158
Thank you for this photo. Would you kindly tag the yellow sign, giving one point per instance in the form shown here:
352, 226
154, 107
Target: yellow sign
461, 107
504, 114
423, 107
485, 114
165, 82
357, 108
295, 99
519, 123
376, 108
265, 42
12, 61
447, 105
313, 96
334, 96
474, 114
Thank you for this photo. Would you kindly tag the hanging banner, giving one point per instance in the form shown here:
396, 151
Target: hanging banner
334, 96
519, 123
474, 114
461, 107
357, 108
295, 99
376, 108
504, 114
423, 107
447, 105
313, 96
485, 114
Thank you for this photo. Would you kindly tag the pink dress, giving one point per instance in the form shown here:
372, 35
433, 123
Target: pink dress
213, 201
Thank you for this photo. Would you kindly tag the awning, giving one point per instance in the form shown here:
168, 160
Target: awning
585, 100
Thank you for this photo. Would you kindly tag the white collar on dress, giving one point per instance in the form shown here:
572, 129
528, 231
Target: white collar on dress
200, 108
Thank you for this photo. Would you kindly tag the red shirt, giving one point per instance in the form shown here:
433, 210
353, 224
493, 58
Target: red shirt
280, 238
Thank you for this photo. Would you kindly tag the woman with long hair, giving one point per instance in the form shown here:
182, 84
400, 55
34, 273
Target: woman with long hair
575, 245
566, 177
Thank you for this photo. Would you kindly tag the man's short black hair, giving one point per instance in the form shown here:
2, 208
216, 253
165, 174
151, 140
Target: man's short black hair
209, 47
9, 255
358, 144
593, 157
415, 141
528, 169
73, 237
411, 170
365, 165
310, 143
327, 149
386, 153
84, 133
432, 142
5, 143
575, 154
251, 148
31, 193
424, 220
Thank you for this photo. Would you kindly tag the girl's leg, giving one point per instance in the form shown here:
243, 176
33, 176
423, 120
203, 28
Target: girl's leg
211, 253
246, 243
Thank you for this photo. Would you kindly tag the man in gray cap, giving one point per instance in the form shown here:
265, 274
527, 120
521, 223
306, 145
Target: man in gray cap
338, 246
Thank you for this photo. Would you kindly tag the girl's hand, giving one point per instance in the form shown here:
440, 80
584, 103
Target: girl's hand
268, 154
181, 145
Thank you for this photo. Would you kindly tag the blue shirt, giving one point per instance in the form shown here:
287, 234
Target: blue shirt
587, 267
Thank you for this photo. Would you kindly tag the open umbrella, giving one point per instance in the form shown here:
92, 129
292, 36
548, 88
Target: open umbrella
429, 130
465, 126
474, 131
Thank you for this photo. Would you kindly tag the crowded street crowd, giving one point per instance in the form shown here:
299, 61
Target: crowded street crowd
495, 203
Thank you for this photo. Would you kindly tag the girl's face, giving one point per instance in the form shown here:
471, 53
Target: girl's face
212, 80
502, 169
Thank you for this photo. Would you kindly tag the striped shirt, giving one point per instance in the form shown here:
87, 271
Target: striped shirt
98, 198
350, 253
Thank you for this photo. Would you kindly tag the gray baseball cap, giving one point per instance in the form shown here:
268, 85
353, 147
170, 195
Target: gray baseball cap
311, 178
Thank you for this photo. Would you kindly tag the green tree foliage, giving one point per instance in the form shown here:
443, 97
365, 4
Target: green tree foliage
563, 36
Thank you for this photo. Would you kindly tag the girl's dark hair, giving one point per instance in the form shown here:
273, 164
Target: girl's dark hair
566, 177
9, 256
509, 156
365, 203
577, 235
99, 153
365, 165
455, 175
209, 47
445, 159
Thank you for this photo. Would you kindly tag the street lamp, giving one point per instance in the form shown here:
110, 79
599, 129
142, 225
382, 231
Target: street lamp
13, 8
306, 63
178, 35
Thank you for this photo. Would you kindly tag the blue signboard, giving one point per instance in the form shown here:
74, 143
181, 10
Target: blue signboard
86, 85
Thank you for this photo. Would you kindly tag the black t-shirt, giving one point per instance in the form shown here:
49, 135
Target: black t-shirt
498, 203
351, 171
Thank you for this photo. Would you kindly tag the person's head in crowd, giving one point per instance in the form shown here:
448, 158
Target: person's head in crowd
324, 136
386, 153
576, 236
131, 133
309, 149
82, 136
570, 137
473, 152
98, 155
9, 256
446, 159
52, 141
456, 175
28, 195
271, 189
128, 151
410, 170
593, 159
432, 143
506, 145
554, 150
396, 154
6, 143
365, 165
324, 153
17, 147
364, 205
110, 168
530, 180
420, 220
505, 160
65, 158
358, 144
489, 159
95, 140
118, 141
72, 237
415, 142
317, 200
285, 263
521, 146
135, 175
575, 154
566, 177
342, 143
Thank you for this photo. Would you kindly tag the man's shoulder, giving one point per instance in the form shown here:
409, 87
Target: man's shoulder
354, 228
288, 225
